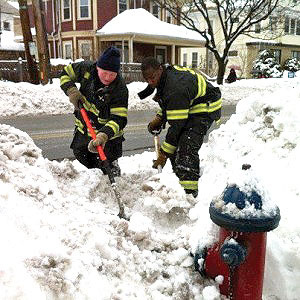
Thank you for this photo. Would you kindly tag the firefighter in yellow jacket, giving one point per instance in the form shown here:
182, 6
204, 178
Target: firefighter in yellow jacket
104, 95
189, 104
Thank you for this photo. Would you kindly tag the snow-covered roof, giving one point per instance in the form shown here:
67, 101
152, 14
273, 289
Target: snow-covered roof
141, 23
9, 8
8, 41
14, 4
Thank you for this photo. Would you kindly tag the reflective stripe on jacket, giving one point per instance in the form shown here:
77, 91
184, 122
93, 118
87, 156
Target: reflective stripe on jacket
186, 101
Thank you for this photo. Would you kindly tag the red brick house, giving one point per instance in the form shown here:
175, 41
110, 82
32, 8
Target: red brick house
72, 25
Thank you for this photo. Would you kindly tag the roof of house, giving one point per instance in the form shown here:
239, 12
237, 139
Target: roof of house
139, 23
8, 8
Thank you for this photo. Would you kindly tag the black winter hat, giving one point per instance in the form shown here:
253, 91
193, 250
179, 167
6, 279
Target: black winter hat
110, 60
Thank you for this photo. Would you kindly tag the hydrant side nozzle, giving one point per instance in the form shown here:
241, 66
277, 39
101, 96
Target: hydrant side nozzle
233, 254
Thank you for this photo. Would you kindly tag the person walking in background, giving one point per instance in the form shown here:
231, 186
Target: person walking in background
104, 95
190, 105
231, 76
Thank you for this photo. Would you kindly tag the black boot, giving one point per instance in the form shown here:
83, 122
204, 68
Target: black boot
193, 192
115, 168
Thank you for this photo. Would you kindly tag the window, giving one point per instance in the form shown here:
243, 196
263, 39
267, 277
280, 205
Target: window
194, 60
85, 49
161, 54
68, 50
84, 9
57, 15
273, 23
184, 63
155, 10
287, 25
122, 5
298, 28
296, 54
233, 53
6, 26
292, 26
169, 17
257, 28
277, 54
66, 10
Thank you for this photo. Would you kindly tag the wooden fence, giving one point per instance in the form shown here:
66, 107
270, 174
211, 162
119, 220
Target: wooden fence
17, 71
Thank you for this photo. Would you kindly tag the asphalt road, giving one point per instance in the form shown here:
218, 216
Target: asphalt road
53, 133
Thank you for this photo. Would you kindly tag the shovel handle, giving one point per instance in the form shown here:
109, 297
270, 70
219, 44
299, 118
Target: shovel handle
104, 160
156, 144
92, 131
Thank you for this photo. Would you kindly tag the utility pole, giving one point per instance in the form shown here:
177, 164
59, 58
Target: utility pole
27, 39
0, 25
42, 41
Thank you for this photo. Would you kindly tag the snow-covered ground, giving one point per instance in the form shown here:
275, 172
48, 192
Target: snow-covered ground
61, 238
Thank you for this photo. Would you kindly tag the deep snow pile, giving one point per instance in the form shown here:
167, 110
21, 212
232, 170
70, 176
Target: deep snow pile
60, 233
265, 134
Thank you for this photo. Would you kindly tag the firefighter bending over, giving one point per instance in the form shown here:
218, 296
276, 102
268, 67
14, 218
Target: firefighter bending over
190, 105
104, 96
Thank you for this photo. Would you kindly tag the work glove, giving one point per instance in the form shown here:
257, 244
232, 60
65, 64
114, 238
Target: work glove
100, 140
155, 124
75, 96
161, 160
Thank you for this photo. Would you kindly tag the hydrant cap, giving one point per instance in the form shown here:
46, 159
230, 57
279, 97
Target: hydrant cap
233, 254
243, 223
234, 195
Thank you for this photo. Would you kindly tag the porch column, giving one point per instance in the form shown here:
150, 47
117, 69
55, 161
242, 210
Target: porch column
130, 49
173, 56
123, 57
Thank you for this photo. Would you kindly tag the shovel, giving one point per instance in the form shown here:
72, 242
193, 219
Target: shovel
156, 144
105, 163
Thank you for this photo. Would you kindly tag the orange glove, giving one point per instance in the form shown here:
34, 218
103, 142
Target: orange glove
101, 139
161, 160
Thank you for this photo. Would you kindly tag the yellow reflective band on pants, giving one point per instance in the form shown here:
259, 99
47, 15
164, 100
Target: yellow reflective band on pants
189, 184
168, 148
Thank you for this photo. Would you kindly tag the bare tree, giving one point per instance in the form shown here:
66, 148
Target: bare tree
236, 17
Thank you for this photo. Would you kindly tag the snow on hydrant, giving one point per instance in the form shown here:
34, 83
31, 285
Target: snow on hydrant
245, 213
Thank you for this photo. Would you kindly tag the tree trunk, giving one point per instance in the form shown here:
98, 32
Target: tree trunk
221, 71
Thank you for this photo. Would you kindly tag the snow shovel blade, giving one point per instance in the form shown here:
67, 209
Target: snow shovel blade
111, 177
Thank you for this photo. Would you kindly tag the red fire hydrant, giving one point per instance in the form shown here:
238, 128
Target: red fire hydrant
239, 255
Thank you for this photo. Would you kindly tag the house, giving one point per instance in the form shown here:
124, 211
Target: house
282, 37
71, 27
141, 34
9, 23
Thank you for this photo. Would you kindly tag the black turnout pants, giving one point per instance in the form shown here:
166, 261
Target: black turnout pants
185, 162
112, 150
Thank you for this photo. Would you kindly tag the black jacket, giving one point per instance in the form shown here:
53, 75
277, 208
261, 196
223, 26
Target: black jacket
107, 107
187, 101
